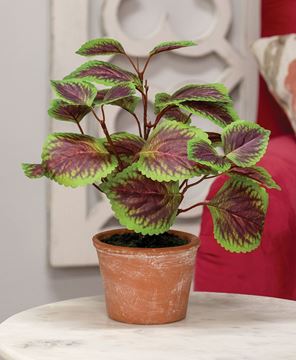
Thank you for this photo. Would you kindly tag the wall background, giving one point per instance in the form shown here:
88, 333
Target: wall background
26, 279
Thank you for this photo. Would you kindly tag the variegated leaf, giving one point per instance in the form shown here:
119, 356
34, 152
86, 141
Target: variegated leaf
103, 73
127, 145
164, 156
204, 153
99, 99
102, 46
238, 211
193, 93
75, 92
161, 101
256, 173
63, 111
244, 143
170, 45
215, 138
128, 103
141, 204
33, 171
119, 92
208, 92
221, 114
176, 114
75, 160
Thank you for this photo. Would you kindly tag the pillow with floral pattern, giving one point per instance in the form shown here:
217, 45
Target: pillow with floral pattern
276, 56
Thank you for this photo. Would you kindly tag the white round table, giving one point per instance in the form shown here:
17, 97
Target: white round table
218, 326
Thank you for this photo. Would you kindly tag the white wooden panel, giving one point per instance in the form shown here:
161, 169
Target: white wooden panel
224, 30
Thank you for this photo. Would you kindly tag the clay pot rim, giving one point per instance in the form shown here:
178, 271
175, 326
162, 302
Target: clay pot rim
193, 241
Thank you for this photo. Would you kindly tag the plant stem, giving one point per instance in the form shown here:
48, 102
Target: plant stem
79, 126
145, 105
106, 132
184, 182
144, 94
160, 115
138, 123
145, 66
132, 63
188, 186
97, 187
188, 118
192, 207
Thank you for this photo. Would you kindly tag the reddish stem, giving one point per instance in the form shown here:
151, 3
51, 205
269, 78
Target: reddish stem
188, 186
106, 132
145, 105
160, 115
192, 207
138, 123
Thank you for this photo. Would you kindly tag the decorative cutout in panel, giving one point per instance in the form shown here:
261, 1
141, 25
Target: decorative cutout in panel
223, 28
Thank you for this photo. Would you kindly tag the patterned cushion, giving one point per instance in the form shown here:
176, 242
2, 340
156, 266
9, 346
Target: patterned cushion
276, 56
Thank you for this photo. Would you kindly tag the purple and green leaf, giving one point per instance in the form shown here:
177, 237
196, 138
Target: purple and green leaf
119, 92
127, 145
102, 72
175, 114
63, 111
208, 92
33, 171
170, 45
141, 204
215, 138
161, 101
128, 103
204, 153
244, 143
164, 156
100, 96
256, 173
76, 160
238, 211
221, 114
102, 46
216, 93
75, 91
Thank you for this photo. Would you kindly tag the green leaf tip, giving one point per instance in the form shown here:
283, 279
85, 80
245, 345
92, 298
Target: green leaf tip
101, 46
171, 45
255, 173
33, 171
76, 160
76, 92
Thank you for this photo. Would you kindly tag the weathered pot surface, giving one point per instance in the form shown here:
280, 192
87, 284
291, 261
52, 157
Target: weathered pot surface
146, 285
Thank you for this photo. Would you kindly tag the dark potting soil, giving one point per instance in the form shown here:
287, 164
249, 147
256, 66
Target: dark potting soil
145, 241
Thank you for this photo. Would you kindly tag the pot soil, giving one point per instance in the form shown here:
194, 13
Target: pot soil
146, 285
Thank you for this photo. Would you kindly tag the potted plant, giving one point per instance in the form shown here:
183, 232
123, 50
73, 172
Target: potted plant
146, 267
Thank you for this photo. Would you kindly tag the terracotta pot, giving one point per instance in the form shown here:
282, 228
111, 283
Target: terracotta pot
146, 286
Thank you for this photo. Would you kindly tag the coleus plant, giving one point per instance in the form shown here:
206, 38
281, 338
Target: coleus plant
146, 175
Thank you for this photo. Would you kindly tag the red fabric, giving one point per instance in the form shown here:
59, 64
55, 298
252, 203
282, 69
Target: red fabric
270, 270
278, 17
270, 115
